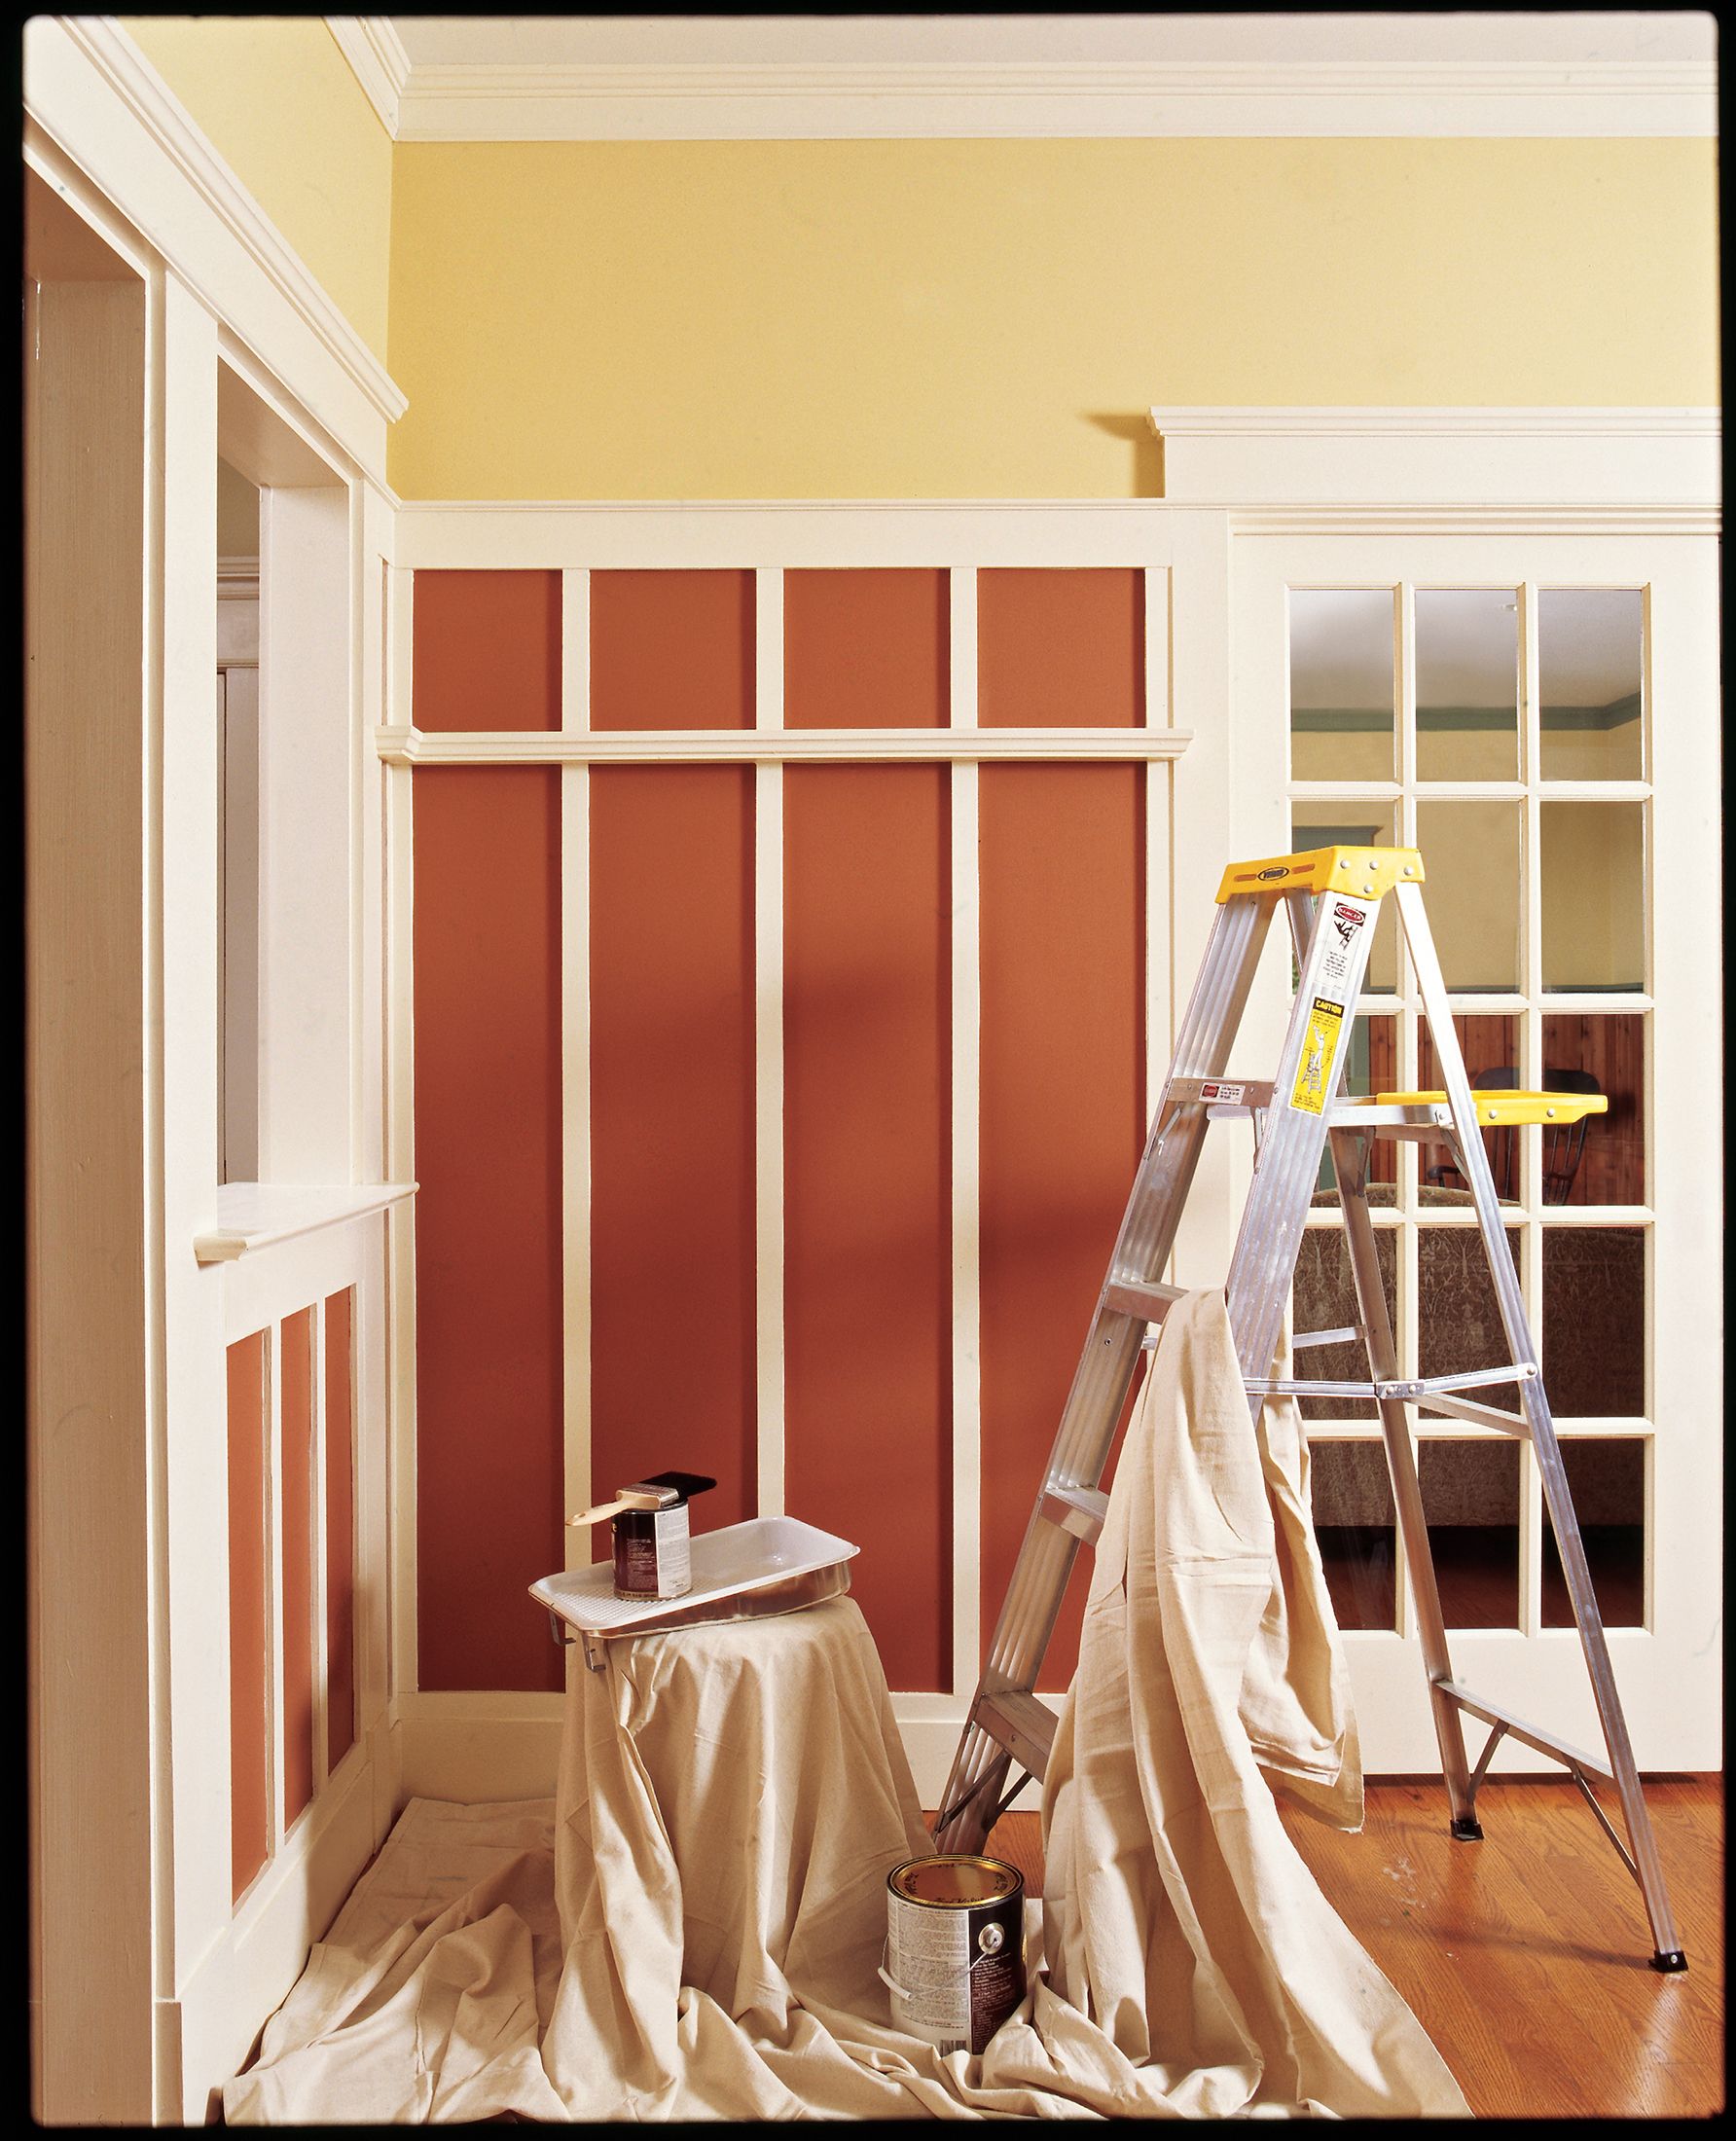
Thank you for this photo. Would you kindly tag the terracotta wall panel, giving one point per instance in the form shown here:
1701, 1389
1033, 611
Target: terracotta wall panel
867, 1156
487, 650
1063, 1117
340, 1497
490, 1431
671, 650
1061, 648
296, 1472
866, 649
249, 1614
673, 1105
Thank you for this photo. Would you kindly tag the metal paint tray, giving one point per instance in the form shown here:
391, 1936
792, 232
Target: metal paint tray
742, 1572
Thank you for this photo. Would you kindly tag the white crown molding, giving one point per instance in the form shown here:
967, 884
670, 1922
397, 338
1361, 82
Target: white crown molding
103, 43
1489, 460
728, 100
377, 58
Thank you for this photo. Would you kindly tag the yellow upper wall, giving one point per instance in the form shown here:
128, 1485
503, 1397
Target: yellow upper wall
788, 319
277, 101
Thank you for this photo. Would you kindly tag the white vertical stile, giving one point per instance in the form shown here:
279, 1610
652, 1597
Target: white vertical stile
358, 766
400, 1133
272, 1472
966, 1064
1529, 1059
768, 1046
575, 1061
1407, 1001
319, 1548
1160, 889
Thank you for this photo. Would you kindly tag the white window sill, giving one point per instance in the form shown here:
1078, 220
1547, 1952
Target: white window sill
254, 1216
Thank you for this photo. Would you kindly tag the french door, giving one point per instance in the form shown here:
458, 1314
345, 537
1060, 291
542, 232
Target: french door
1538, 714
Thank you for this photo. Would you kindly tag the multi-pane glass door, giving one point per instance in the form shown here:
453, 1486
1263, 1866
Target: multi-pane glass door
1499, 709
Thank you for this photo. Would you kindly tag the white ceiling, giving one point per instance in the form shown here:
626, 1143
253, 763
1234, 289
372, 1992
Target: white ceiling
624, 40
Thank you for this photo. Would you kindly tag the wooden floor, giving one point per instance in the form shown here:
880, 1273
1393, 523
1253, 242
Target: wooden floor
1526, 1956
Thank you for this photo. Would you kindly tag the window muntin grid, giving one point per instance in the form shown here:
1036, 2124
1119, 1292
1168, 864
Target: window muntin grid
1551, 786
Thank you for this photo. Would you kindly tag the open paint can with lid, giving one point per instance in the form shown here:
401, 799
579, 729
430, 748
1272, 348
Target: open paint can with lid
955, 1960
650, 1536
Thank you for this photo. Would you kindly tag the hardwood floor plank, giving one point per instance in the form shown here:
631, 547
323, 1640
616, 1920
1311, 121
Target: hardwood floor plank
1526, 1956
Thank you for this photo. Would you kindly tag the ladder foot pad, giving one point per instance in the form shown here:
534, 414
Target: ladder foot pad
1467, 1831
1668, 1959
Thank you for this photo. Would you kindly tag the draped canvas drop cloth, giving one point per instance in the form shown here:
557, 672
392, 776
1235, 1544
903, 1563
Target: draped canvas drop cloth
694, 1929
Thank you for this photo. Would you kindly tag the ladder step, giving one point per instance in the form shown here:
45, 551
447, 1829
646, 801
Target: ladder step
1142, 1298
1021, 1723
1408, 1388
1242, 1093
1076, 1510
1504, 1105
1492, 1713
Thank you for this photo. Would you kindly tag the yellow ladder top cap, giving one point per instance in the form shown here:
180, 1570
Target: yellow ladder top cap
1496, 1109
1368, 872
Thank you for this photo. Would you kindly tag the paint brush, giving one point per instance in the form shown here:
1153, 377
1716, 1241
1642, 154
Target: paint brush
630, 1497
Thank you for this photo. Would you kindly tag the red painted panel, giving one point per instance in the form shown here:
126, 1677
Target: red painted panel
673, 1378
485, 650
296, 1424
490, 1427
867, 1214
1062, 1115
340, 1493
866, 649
1061, 648
249, 1614
671, 650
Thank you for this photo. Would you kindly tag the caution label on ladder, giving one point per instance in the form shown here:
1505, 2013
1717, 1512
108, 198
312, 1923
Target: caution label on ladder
1320, 1050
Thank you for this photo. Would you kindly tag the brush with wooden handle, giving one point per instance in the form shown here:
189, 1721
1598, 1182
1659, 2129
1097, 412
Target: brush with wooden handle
630, 1497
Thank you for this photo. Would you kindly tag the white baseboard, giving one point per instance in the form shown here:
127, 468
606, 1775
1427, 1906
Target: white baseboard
489, 1745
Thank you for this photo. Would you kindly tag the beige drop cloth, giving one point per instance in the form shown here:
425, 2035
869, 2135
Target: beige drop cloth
694, 1930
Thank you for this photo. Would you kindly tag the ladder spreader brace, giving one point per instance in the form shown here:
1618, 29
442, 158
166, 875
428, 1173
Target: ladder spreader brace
1331, 897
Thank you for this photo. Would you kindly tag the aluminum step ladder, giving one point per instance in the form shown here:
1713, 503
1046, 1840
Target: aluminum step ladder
1332, 899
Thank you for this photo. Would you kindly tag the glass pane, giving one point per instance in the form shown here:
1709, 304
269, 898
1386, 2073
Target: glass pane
1590, 667
1459, 1325
1489, 1049
1352, 821
1342, 692
1470, 859
1607, 1480
1354, 1522
1471, 1499
1371, 1065
1594, 896
1593, 1337
1467, 684
1322, 1297
1603, 1159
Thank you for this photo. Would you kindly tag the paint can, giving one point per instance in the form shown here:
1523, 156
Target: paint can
651, 1546
955, 1947
649, 1536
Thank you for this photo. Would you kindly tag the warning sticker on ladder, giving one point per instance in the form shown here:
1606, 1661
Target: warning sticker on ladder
1320, 1051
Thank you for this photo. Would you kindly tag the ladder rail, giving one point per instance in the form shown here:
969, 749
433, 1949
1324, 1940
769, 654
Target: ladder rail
1332, 968
1534, 1401
1027, 1619
1349, 1160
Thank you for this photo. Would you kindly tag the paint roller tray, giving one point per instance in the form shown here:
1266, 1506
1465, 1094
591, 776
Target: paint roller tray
742, 1572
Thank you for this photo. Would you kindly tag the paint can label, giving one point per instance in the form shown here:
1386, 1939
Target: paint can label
954, 1949
653, 1556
